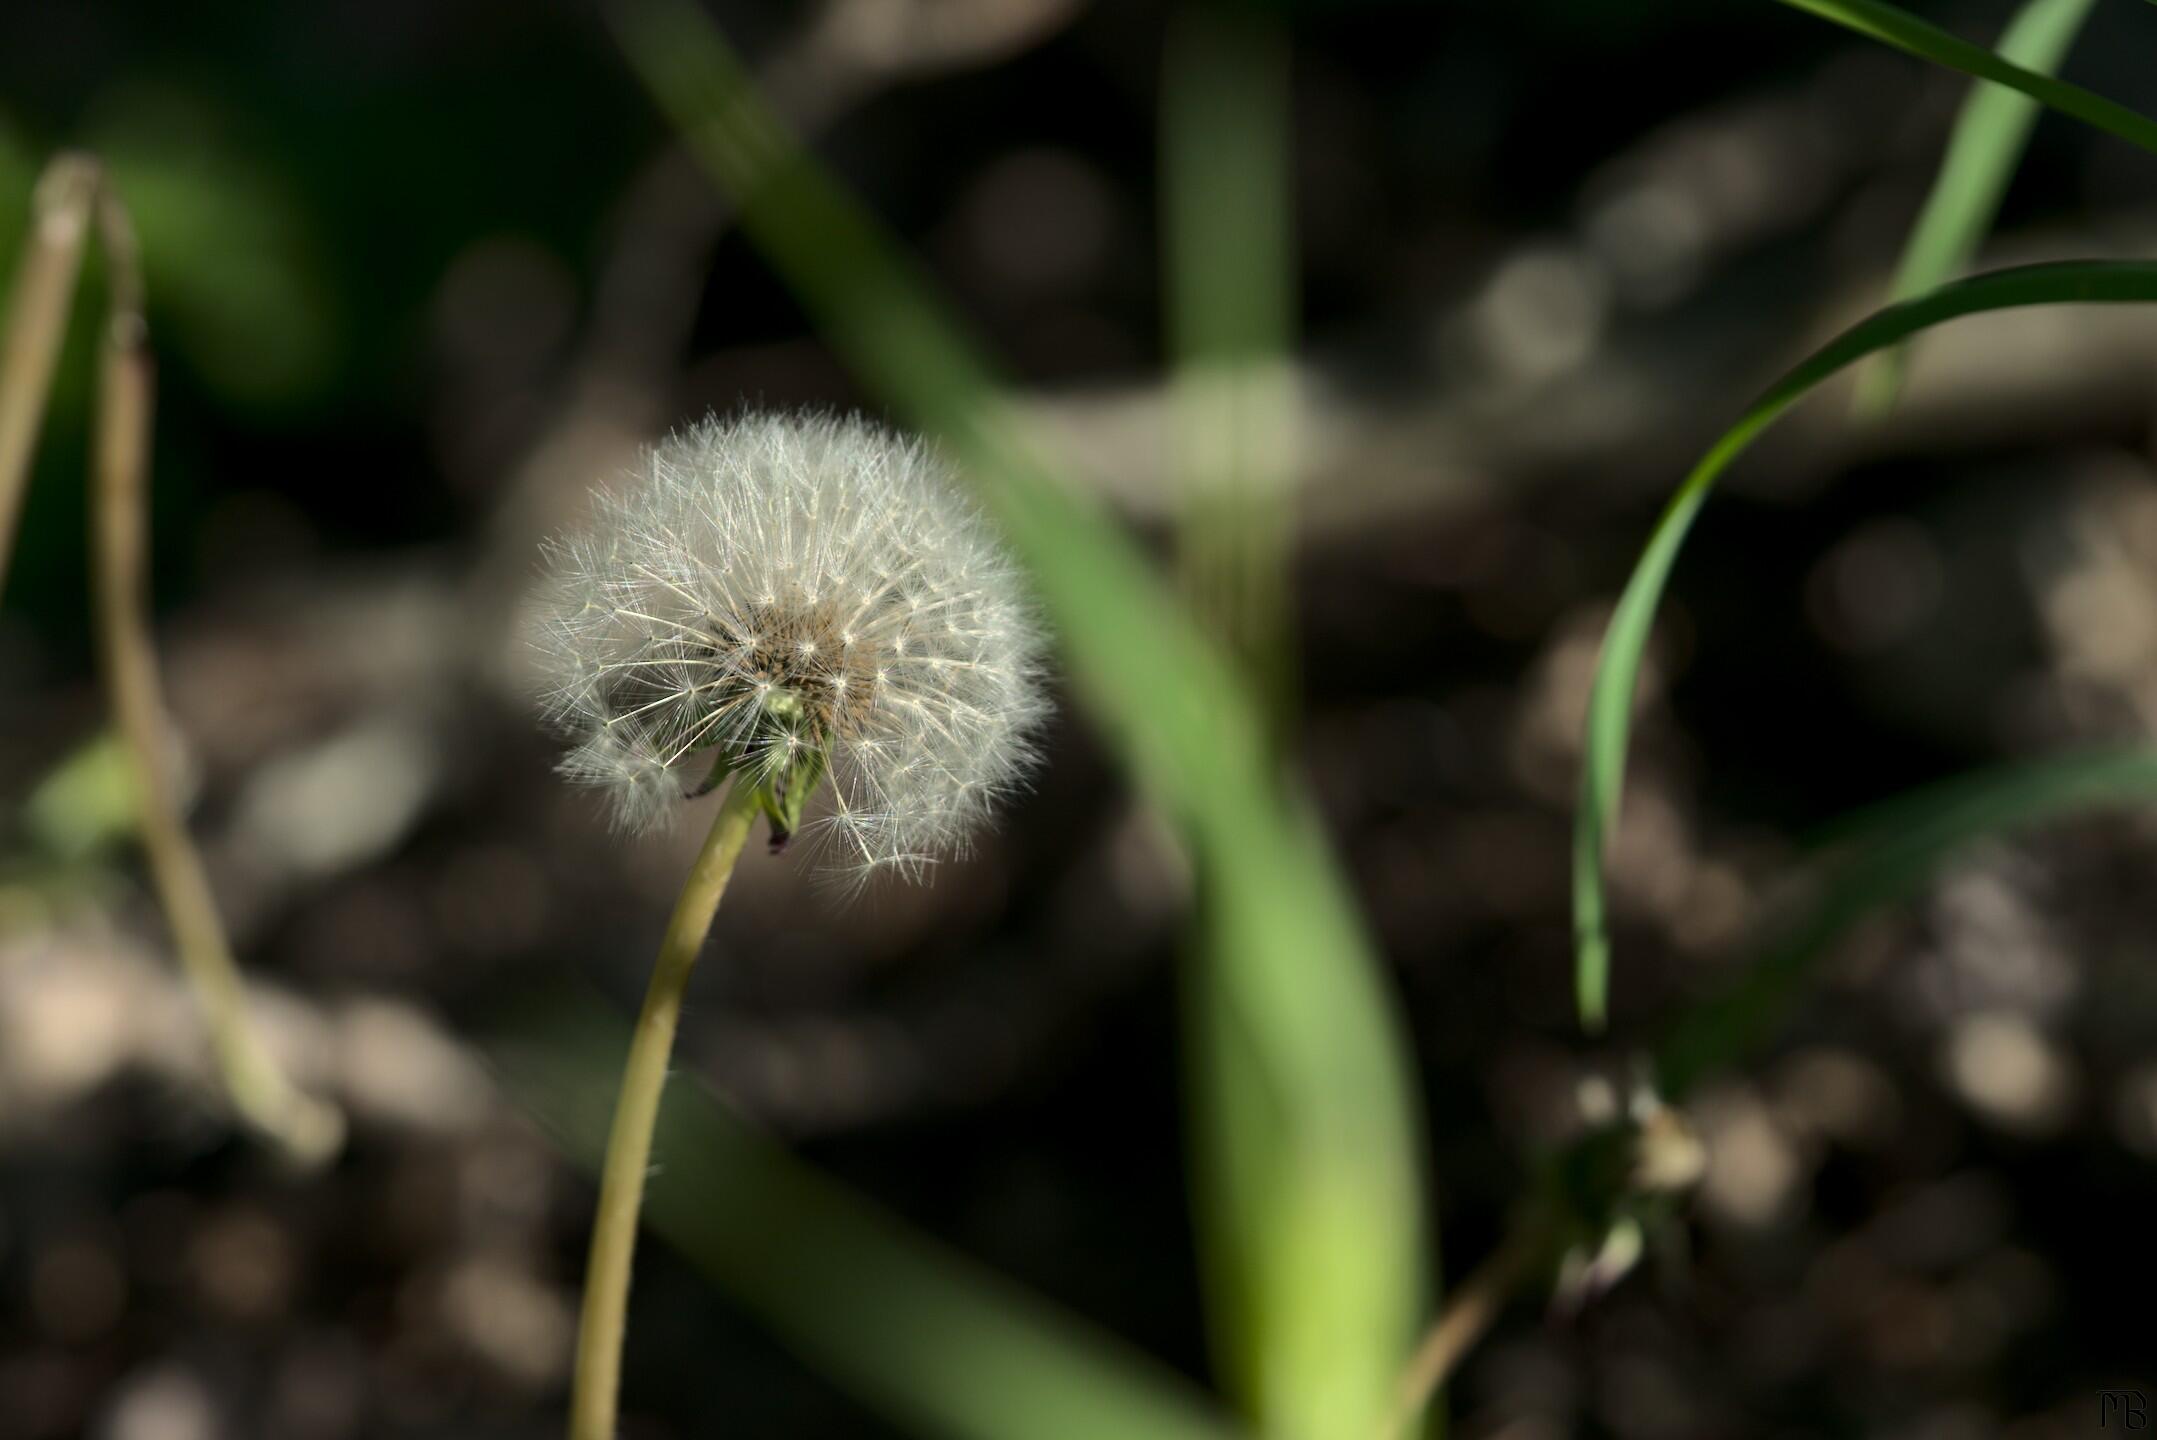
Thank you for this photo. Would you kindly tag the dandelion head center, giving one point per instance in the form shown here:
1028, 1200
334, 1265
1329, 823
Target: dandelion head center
802, 652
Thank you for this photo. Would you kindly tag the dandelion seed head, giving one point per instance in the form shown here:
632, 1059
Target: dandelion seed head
772, 583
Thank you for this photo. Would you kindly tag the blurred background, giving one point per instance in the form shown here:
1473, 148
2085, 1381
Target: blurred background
420, 274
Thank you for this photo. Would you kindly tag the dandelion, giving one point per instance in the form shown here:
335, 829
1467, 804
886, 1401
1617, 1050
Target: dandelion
781, 596
791, 605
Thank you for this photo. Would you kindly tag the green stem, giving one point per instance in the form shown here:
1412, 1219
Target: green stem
597, 1386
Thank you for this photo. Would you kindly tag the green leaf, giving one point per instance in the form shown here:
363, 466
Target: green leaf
1324, 1159
1913, 36
1878, 857
1982, 153
1617, 671
86, 804
908, 1326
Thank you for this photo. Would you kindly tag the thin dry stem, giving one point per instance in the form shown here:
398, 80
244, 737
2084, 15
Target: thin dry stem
37, 323
70, 196
596, 1389
1468, 1313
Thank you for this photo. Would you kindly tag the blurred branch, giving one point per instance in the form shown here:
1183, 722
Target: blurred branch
37, 324
853, 47
72, 195
309, 1130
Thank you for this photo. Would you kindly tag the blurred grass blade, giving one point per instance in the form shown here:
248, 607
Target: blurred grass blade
920, 1333
1229, 277
309, 1130
1882, 855
1319, 1143
1907, 33
1228, 282
1617, 670
1982, 154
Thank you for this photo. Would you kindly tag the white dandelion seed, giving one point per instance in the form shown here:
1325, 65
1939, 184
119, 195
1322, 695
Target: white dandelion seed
775, 587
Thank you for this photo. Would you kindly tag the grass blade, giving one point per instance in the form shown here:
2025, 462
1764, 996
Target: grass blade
1618, 669
1229, 277
1880, 856
1987, 144
918, 1332
1329, 1243
1907, 33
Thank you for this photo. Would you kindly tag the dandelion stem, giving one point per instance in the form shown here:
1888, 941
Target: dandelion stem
597, 1385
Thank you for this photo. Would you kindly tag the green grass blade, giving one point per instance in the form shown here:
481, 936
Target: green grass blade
1882, 855
1618, 669
1228, 282
1982, 153
918, 1332
1913, 36
1329, 1245
1229, 279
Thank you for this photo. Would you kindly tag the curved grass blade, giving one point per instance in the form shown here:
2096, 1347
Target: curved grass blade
1321, 1150
924, 1335
1610, 701
1878, 856
1990, 135
1907, 33
1881, 855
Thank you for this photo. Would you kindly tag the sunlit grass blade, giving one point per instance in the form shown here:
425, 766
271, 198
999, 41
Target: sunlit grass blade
1329, 1240
1989, 137
1907, 33
1618, 669
914, 1330
1229, 280
1881, 855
